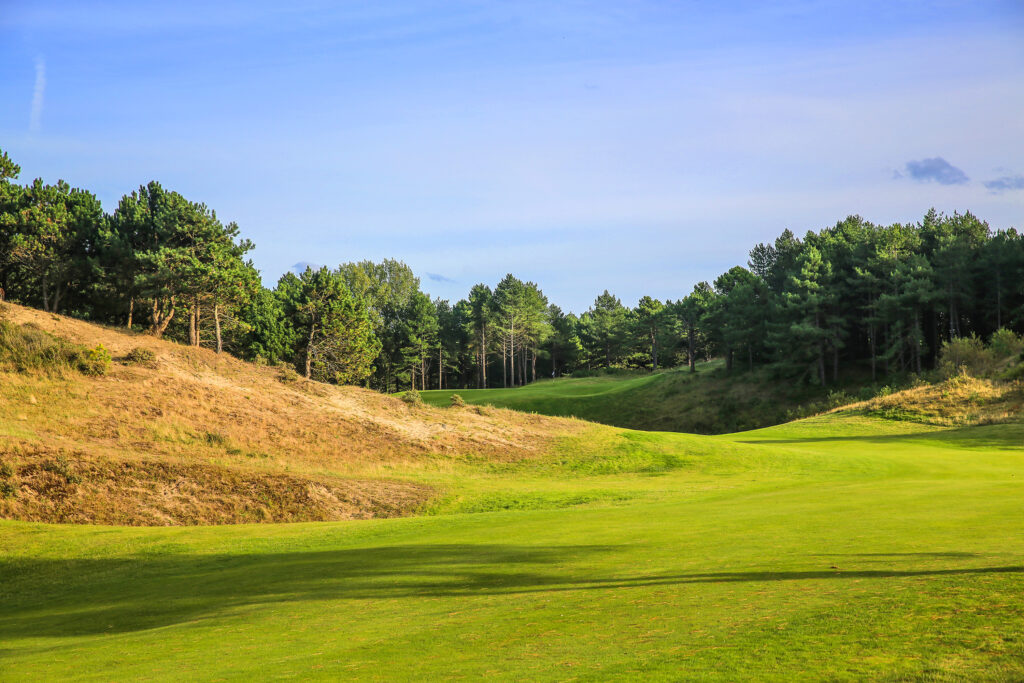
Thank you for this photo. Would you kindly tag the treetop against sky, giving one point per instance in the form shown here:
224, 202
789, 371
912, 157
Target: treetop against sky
640, 147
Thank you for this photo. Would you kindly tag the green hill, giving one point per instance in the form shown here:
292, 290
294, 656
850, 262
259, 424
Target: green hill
707, 402
848, 546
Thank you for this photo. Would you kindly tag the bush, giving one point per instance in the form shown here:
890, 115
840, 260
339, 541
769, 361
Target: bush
62, 467
8, 489
457, 401
1006, 345
6, 471
412, 397
93, 361
141, 356
968, 353
26, 348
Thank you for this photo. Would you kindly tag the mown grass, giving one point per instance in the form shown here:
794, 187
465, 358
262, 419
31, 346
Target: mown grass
844, 547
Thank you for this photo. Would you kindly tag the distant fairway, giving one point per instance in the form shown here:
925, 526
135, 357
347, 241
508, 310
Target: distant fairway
836, 548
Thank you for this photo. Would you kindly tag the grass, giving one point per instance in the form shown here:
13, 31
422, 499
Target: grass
709, 401
849, 546
843, 547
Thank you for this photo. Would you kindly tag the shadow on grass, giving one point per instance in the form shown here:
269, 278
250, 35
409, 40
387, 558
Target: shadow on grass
77, 597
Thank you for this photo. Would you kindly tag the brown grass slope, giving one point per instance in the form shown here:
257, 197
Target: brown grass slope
200, 438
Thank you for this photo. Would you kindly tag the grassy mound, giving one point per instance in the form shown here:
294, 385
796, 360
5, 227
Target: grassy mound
708, 402
174, 435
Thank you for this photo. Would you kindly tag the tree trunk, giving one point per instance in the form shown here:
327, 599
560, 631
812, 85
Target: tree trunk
728, 360
193, 325
999, 299
689, 349
954, 324
131, 311
216, 326
309, 351
58, 293
46, 295
512, 353
654, 351
835, 363
871, 339
533, 366
162, 315
504, 363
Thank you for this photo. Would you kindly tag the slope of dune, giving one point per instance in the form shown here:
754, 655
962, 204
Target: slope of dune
196, 437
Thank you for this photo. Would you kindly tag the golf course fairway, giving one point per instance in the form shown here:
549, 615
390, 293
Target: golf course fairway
840, 547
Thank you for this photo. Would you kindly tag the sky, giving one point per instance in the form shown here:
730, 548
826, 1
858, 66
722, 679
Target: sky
634, 146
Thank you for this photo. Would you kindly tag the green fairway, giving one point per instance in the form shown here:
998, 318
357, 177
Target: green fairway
834, 548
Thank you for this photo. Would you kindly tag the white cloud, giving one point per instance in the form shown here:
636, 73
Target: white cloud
36, 117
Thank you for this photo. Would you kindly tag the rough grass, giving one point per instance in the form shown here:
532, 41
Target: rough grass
236, 430
959, 400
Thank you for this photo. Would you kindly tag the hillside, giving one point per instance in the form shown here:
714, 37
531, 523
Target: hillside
195, 437
707, 402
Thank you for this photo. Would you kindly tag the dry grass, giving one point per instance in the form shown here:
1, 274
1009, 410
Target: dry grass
223, 426
958, 401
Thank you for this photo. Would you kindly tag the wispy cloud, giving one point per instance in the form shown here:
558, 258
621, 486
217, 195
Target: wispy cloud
36, 117
1007, 182
302, 265
936, 170
439, 278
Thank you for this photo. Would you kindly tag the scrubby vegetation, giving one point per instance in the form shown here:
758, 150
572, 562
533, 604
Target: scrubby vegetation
26, 348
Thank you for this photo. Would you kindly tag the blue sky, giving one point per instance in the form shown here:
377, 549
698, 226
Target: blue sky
634, 146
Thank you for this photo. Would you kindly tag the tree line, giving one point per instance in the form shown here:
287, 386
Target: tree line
854, 297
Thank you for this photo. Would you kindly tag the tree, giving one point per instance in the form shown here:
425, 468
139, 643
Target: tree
389, 289
333, 327
604, 326
481, 313
649, 316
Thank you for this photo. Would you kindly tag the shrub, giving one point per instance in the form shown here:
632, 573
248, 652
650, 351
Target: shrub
839, 398
141, 356
412, 397
457, 401
968, 353
62, 466
26, 348
93, 361
8, 489
6, 471
288, 375
1006, 345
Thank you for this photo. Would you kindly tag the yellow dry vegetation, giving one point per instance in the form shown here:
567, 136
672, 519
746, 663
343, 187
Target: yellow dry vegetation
195, 437
958, 401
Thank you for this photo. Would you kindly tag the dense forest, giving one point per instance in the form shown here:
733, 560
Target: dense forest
854, 297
